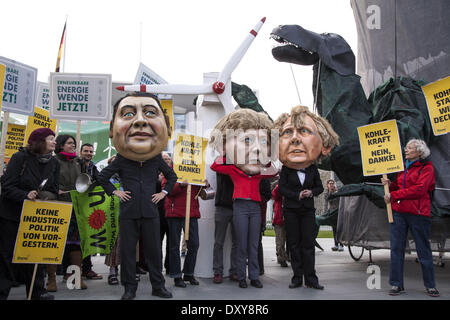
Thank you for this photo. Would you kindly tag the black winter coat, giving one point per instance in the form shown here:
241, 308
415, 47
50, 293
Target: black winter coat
140, 178
25, 173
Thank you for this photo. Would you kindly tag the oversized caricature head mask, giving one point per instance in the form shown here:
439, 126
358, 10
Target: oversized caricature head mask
304, 138
139, 128
243, 137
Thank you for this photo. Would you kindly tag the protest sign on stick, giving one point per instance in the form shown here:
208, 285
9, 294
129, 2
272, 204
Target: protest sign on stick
14, 139
40, 119
381, 152
42, 233
189, 165
437, 95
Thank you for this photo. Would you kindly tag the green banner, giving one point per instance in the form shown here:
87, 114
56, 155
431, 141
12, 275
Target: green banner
98, 220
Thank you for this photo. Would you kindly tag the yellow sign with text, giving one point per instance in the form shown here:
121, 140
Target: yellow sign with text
2, 82
42, 232
437, 95
167, 106
190, 159
14, 139
41, 119
381, 151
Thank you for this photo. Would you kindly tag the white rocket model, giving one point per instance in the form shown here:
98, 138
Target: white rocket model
216, 87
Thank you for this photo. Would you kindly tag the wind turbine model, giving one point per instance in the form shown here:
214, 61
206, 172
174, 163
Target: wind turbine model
215, 87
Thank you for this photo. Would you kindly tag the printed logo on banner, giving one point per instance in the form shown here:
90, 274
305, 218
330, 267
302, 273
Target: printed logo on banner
19, 88
437, 95
167, 106
190, 159
98, 220
42, 232
76, 96
381, 150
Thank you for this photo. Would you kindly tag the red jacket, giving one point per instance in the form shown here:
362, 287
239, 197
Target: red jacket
410, 190
277, 208
175, 203
245, 186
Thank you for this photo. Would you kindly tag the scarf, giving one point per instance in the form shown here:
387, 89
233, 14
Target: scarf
69, 156
44, 158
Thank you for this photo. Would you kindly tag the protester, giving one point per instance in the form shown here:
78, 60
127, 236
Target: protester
266, 195
112, 259
88, 167
223, 217
70, 170
244, 150
280, 231
140, 131
27, 169
410, 199
304, 138
331, 205
164, 226
175, 209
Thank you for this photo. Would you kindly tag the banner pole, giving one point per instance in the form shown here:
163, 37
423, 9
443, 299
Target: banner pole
188, 213
388, 205
32, 281
78, 134
3, 141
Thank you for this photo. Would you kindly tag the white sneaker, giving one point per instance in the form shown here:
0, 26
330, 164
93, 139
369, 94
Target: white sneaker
340, 247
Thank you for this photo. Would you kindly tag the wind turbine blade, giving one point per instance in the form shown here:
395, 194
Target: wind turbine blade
170, 88
240, 52
226, 102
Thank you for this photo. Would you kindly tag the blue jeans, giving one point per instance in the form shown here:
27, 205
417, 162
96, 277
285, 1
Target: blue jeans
247, 228
175, 227
420, 228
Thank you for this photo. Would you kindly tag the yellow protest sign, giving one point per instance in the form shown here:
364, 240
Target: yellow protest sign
189, 158
437, 95
14, 139
41, 119
42, 232
167, 106
2, 82
381, 151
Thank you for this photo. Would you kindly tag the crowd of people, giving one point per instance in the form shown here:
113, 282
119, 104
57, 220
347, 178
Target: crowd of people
153, 203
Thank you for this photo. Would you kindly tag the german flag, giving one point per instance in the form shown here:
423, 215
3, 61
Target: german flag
61, 45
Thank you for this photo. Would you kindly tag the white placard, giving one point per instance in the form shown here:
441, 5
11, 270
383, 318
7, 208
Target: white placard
19, 88
75, 96
43, 95
145, 75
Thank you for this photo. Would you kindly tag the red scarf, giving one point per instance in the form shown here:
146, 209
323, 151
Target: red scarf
69, 156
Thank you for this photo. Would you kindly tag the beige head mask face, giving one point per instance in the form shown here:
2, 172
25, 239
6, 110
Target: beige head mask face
139, 130
243, 137
302, 137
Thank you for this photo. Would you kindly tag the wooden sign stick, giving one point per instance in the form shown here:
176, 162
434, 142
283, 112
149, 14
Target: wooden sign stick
32, 281
188, 212
388, 205
3, 141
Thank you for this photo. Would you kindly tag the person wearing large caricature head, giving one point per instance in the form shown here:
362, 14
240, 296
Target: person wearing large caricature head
140, 131
304, 138
241, 138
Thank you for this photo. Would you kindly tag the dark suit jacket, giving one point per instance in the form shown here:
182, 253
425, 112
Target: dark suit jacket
140, 178
290, 187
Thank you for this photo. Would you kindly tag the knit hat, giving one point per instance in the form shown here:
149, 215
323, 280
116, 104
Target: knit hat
40, 134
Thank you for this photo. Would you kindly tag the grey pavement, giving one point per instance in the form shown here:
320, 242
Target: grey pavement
343, 278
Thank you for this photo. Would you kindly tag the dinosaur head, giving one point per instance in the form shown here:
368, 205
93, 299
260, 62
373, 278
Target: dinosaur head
300, 46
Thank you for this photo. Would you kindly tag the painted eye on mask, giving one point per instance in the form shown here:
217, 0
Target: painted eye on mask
287, 133
128, 114
304, 132
150, 113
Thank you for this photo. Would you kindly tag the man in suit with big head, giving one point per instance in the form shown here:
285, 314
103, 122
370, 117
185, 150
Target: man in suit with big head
304, 138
